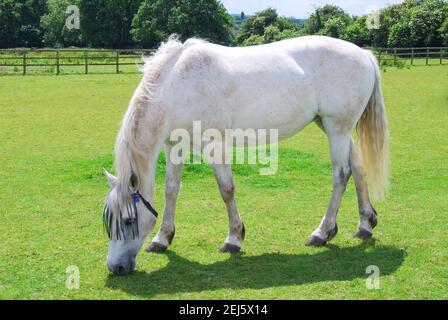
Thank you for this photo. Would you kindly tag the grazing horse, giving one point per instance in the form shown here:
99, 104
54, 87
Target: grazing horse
285, 86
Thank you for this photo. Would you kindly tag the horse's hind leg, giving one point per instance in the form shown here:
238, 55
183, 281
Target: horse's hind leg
367, 213
166, 232
340, 150
223, 174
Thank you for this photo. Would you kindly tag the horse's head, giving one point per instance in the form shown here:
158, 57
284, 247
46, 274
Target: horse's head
128, 219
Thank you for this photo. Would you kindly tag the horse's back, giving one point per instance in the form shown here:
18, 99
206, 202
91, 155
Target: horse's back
278, 85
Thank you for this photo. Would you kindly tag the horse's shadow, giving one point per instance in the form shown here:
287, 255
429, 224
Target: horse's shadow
264, 271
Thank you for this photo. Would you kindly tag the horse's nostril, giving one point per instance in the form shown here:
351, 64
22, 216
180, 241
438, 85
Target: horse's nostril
121, 270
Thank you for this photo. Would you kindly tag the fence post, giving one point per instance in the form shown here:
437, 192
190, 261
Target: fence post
427, 56
395, 56
379, 57
117, 60
57, 62
441, 52
86, 65
412, 57
24, 63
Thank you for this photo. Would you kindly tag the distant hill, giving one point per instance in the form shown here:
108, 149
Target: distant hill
300, 22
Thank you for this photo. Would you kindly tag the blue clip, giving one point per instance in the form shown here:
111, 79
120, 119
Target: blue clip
136, 199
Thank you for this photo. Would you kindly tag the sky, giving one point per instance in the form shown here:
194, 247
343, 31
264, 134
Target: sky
303, 8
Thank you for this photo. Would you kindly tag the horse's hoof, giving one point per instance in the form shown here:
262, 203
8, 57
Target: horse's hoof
363, 234
231, 248
155, 247
315, 241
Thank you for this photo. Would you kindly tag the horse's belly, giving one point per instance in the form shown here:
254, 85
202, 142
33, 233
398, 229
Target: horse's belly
287, 122
285, 103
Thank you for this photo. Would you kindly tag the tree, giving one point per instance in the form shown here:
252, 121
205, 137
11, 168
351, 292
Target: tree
10, 16
388, 17
400, 35
157, 19
358, 33
266, 26
19, 22
443, 30
425, 21
107, 23
416, 23
328, 20
335, 27
55, 32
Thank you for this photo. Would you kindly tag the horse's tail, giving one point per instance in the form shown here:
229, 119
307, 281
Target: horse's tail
373, 137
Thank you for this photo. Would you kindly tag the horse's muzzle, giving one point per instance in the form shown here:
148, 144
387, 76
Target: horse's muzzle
123, 268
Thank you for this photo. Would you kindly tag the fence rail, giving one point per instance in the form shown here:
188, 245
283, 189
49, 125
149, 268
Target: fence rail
411, 54
82, 58
21, 60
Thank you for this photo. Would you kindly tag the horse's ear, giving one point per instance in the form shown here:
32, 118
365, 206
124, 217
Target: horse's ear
110, 178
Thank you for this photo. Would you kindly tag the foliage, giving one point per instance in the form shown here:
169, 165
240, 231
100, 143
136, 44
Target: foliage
413, 23
124, 24
335, 27
358, 33
425, 22
418, 24
157, 19
267, 26
328, 20
107, 23
19, 23
444, 32
53, 25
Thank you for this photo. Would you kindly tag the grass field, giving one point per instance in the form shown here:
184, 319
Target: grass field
56, 133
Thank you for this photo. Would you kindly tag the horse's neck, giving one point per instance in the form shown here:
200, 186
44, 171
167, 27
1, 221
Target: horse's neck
131, 162
133, 156
147, 185
146, 176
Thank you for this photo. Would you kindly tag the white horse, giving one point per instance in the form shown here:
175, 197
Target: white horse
285, 86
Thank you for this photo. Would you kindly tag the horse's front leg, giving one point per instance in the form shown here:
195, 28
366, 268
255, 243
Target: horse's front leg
167, 229
223, 174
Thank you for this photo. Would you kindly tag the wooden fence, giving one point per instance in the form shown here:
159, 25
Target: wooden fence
411, 54
82, 58
55, 59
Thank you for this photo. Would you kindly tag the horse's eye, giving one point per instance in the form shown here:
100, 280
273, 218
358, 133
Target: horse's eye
129, 221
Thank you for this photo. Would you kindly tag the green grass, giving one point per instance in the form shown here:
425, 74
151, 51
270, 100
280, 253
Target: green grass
56, 133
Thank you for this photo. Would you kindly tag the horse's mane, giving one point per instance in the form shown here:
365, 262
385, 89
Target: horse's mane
130, 159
